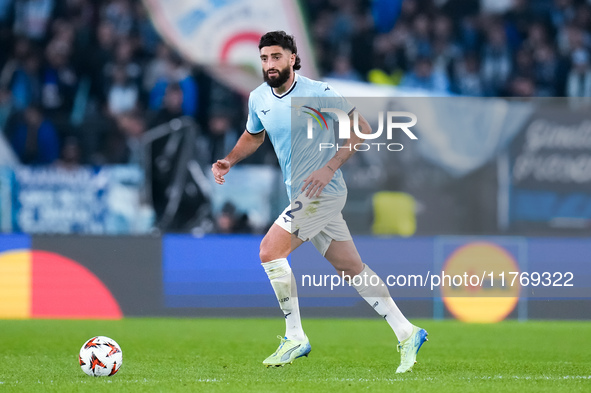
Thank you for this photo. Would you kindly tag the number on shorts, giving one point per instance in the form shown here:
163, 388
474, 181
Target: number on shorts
299, 206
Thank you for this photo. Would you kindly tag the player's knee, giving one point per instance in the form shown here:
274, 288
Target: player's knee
266, 254
272, 249
349, 271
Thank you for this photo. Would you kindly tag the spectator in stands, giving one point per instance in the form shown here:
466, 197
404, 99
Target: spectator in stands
572, 37
562, 13
122, 143
21, 49
537, 36
408, 11
21, 74
149, 38
445, 50
419, 42
343, 27
32, 18
521, 86
424, 77
101, 55
496, 61
26, 82
342, 69
123, 94
132, 126
6, 108
546, 71
222, 136
231, 221
517, 21
177, 72
524, 63
119, 14
34, 139
58, 84
389, 53
579, 79
62, 30
467, 79
362, 42
583, 17
113, 147
124, 60
70, 154
172, 106
157, 68
469, 34
81, 15
323, 49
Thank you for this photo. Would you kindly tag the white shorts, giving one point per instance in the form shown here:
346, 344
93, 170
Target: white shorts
319, 220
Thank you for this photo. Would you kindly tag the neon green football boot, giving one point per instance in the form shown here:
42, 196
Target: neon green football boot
409, 348
288, 351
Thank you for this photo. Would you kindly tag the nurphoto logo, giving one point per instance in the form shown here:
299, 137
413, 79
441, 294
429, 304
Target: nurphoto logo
392, 123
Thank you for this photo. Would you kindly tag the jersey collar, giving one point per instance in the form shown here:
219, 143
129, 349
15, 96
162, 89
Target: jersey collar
293, 85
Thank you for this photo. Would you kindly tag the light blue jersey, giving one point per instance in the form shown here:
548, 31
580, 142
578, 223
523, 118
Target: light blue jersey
286, 125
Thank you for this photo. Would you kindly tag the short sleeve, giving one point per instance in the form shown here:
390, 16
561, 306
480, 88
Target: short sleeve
253, 124
334, 100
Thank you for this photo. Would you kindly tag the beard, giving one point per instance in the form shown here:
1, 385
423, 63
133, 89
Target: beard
280, 79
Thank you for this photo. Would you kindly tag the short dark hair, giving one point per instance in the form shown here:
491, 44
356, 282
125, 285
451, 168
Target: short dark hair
284, 40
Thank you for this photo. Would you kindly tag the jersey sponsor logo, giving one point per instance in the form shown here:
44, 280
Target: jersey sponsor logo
265, 111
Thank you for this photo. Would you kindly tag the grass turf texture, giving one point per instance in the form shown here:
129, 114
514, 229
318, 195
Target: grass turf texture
225, 355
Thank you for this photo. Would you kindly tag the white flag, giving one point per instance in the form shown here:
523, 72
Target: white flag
224, 34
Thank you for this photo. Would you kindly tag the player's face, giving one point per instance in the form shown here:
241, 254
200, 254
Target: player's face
277, 64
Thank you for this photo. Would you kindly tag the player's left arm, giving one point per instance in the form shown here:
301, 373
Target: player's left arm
317, 180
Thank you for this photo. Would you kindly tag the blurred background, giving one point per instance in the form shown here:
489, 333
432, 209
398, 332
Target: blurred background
85, 86
112, 112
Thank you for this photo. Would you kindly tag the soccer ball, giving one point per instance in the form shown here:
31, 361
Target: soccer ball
100, 357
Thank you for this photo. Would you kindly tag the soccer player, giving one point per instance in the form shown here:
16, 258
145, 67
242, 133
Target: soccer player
318, 194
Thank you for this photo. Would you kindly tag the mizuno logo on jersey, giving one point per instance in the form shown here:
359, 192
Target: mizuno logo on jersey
265, 111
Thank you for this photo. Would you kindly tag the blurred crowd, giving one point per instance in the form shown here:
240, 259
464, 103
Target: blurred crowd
82, 80
519, 48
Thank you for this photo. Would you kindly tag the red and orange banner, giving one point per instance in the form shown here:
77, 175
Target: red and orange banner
41, 284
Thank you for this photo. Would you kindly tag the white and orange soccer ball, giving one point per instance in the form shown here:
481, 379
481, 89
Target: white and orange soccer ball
100, 357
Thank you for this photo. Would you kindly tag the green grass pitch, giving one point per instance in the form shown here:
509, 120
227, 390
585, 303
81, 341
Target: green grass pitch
225, 355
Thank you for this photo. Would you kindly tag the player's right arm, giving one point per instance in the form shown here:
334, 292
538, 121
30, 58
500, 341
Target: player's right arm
249, 142
246, 145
